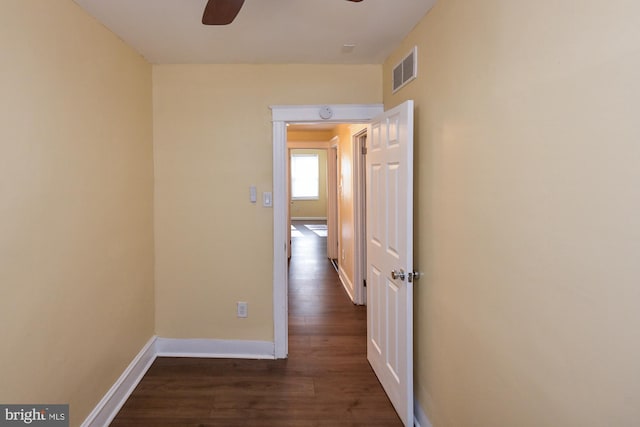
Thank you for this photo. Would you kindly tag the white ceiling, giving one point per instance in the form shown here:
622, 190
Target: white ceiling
265, 31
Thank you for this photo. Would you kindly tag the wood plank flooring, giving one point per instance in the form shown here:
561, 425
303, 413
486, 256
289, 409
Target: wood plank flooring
326, 381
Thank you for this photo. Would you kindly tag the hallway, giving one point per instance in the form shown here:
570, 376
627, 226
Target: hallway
326, 381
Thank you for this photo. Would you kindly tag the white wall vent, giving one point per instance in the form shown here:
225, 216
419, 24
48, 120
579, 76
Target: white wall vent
406, 70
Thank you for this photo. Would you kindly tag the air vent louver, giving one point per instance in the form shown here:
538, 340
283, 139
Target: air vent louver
406, 70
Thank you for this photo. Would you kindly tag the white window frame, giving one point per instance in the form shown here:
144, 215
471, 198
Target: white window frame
317, 180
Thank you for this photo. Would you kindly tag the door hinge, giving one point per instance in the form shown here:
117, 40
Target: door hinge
364, 282
364, 150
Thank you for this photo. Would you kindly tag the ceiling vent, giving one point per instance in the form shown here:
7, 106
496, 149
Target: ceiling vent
406, 70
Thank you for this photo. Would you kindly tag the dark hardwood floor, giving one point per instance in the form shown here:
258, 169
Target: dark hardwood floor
326, 381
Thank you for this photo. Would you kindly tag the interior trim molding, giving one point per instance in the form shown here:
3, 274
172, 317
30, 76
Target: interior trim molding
341, 113
107, 409
234, 349
109, 406
280, 240
358, 138
420, 418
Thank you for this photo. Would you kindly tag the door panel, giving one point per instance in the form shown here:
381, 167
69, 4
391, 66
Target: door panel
394, 312
389, 253
375, 225
375, 326
393, 198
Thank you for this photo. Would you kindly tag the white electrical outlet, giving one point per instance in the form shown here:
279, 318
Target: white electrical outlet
242, 309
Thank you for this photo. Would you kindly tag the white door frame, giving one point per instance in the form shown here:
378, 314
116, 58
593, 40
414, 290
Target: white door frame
360, 219
332, 199
281, 115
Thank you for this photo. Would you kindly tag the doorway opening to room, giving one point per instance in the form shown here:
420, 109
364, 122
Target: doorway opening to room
327, 319
284, 117
326, 198
389, 242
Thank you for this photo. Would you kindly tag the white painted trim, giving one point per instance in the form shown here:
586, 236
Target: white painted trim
359, 215
281, 115
108, 407
308, 218
420, 418
281, 230
346, 283
342, 113
332, 199
234, 349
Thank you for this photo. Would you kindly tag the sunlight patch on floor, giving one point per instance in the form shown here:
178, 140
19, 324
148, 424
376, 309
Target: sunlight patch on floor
319, 229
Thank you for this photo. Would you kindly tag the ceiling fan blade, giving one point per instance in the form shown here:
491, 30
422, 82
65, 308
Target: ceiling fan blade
221, 12
355, 1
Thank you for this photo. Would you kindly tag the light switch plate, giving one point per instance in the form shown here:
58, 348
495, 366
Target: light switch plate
253, 195
267, 200
242, 309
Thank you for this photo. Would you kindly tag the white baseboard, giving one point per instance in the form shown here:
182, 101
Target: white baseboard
308, 218
346, 283
108, 407
420, 418
175, 347
112, 402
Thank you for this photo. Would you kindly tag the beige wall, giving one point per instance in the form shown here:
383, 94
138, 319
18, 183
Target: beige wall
76, 186
212, 140
319, 136
346, 242
526, 207
527, 200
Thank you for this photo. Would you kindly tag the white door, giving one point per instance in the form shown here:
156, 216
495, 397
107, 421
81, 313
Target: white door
390, 255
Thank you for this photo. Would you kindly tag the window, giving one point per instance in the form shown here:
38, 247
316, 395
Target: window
305, 182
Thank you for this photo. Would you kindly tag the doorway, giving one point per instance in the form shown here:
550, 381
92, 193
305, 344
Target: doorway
309, 142
334, 171
281, 115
